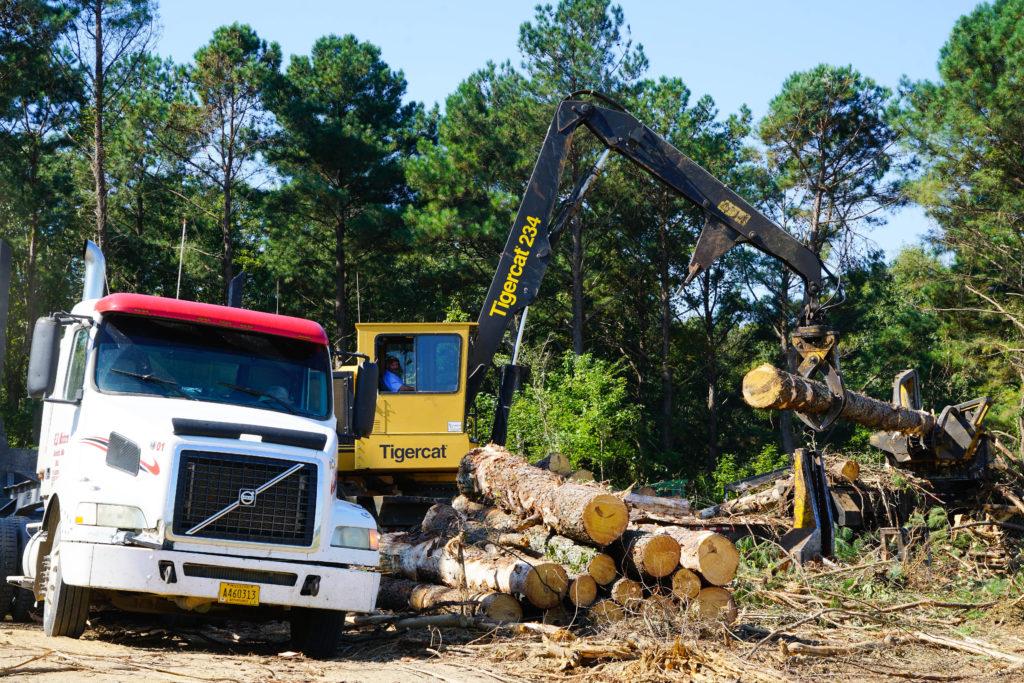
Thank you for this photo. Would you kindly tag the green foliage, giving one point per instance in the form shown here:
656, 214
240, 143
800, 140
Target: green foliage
581, 409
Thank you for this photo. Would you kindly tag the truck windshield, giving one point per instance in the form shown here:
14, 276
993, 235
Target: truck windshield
185, 360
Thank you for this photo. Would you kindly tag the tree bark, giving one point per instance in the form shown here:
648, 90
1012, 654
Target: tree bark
711, 555
567, 552
436, 559
768, 387
762, 501
499, 520
401, 594
583, 512
678, 507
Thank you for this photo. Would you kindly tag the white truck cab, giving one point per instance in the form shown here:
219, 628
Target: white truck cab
188, 461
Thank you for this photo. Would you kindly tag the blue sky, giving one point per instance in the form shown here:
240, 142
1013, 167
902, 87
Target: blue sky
737, 51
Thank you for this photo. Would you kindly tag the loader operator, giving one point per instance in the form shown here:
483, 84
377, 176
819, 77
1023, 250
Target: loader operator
391, 379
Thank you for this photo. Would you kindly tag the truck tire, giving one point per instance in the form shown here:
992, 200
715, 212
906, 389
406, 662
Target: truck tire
316, 633
65, 608
10, 562
23, 606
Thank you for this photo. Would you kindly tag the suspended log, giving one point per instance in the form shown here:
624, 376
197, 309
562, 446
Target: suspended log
684, 584
713, 556
498, 520
714, 603
582, 590
606, 612
648, 553
436, 559
555, 462
627, 592
768, 387
762, 501
583, 512
675, 507
401, 594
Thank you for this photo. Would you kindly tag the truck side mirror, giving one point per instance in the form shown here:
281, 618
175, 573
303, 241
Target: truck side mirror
365, 405
42, 360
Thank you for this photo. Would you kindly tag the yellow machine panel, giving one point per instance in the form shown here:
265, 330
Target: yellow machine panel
389, 452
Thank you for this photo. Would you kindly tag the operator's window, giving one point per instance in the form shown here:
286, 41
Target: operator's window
423, 362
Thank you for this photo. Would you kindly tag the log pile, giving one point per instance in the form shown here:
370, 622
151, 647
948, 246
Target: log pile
559, 549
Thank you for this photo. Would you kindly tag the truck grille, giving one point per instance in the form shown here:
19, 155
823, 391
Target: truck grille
208, 483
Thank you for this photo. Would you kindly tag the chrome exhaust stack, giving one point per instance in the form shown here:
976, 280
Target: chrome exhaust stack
95, 272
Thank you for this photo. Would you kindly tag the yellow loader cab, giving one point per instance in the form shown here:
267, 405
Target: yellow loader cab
419, 430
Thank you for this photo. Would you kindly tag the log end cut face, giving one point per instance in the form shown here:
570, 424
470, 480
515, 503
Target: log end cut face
602, 568
605, 518
718, 559
660, 556
546, 585
685, 584
606, 612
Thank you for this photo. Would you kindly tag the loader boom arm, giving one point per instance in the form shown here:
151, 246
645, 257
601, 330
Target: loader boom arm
729, 220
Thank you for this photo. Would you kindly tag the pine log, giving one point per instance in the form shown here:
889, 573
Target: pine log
602, 568
845, 471
715, 603
768, 387
606, 612
582, 590
762, 501
685, 584
499, 520
583, 512
713, 556
627, 592
648, 553
443, 518
659, 605
402, 594
581, 476
436, 559
676, 507
555, 462
564, 551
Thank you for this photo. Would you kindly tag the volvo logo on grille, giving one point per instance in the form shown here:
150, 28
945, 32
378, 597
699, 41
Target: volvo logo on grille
247, 497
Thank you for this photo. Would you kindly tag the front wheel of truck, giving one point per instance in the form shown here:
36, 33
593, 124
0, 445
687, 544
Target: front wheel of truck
316, 633
65, 608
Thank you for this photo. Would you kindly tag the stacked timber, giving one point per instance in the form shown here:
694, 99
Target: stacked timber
526, 537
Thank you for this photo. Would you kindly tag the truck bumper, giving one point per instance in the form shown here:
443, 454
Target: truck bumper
200, 575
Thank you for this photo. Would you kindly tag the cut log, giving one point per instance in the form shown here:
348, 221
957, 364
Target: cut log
845, 471
714, 603
627, 592
436, 559
583, 512
559, 615
443, 518
402, 594
685, 584
713, 556
581, 476
602, 568
582, 590
762, 501
565, 551
499, 520
659, 605
650, 553
768, 387
606, 612
555, 462
676, 507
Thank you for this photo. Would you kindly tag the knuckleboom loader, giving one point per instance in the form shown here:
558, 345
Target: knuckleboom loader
421, 432
188, 463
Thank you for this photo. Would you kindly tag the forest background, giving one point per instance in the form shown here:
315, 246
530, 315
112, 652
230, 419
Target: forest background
343, 201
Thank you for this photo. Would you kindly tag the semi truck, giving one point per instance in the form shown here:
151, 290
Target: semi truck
187, 463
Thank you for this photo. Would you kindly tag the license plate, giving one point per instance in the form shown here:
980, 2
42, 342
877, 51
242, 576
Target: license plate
239, 594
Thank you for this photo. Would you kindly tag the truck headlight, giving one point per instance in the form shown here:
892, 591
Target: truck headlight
106, 514
356, 537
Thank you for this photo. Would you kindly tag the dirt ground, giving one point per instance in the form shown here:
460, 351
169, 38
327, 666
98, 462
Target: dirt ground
120, 647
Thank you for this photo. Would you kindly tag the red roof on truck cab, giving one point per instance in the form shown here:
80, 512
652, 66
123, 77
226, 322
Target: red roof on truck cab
212, 314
